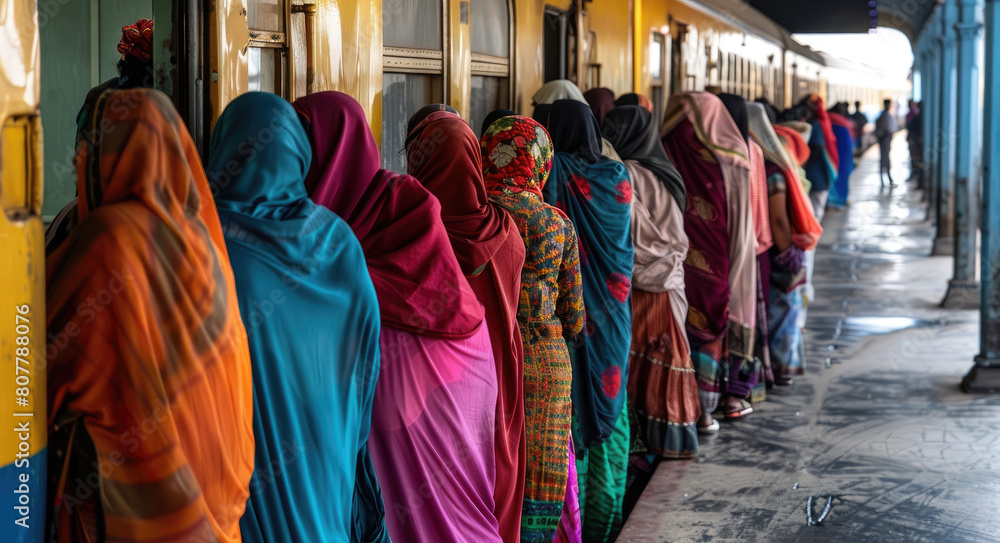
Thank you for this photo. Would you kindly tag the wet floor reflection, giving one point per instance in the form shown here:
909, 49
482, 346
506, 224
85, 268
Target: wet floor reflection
878, 421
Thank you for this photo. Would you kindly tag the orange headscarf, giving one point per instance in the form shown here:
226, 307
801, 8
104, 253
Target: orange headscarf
794, 142
148, 356
806, 230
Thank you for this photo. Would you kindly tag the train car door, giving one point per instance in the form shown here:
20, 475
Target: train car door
677, 71
22, 241
559, 41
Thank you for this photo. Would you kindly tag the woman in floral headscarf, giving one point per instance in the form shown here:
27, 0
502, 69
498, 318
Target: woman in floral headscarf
517, 158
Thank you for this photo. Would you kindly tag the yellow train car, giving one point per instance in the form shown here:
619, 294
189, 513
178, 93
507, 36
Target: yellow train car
395, 56
22, 239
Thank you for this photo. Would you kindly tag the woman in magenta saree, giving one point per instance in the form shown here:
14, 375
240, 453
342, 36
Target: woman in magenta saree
432, 435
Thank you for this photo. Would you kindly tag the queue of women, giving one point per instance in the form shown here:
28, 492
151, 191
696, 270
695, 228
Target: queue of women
307, 347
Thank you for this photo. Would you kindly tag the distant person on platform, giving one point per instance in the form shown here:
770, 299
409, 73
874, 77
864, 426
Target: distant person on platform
860, 122
915, 137
135, 68
885, 127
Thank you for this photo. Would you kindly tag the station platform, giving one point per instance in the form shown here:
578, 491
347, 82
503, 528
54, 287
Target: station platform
878, 425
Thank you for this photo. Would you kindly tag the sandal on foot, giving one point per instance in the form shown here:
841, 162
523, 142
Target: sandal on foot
744, 410
710, 429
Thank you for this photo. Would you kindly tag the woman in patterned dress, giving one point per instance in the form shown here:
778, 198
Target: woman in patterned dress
517, 158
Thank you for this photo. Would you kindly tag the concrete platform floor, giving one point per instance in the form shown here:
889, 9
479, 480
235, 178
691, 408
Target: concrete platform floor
878, 424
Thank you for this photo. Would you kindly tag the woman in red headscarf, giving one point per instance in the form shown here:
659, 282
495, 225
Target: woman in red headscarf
601, 100
433, 415
444, 155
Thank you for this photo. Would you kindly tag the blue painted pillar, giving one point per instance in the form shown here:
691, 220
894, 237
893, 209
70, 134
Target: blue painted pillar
963, 289
945, 150
985, 375
926, 114
930, 116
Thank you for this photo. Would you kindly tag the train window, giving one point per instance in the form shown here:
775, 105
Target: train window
657, 71
412, 70
266, 15
730, 74
412, 23
491, 34
655, 56
267, 54
263, 66
488, 93
491, 27
402, 95
677, 76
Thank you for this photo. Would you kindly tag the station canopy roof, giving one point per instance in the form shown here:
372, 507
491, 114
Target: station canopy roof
846, 16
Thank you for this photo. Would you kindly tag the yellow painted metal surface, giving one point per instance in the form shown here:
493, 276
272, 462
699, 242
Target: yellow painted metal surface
458, 72
608, 25
650, 15
348, 54
228, 40
22, 267
529, 59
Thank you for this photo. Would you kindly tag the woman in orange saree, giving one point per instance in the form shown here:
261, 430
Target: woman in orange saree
149, 382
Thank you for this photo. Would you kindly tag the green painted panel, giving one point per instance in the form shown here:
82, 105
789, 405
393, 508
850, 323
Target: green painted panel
66, 77
79, 42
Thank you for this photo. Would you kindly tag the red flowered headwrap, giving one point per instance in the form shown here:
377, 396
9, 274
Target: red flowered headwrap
137, 40
517, 156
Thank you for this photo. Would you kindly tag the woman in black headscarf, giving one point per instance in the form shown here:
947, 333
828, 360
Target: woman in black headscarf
737, 108
422, 114
493, 117
662, 387
634, 99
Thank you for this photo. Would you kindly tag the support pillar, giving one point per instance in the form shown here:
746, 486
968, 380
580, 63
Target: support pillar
927, 99
920, 65
985, 375
963, 289
930, 115
945, 239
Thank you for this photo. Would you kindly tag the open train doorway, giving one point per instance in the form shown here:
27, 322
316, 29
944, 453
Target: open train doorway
559, 44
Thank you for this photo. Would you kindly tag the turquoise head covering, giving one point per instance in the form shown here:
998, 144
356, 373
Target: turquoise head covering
312, 321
